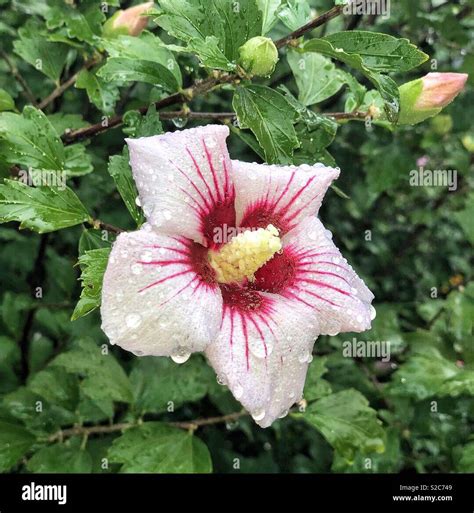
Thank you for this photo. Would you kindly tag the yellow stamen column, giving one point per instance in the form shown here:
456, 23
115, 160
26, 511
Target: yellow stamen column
245, 254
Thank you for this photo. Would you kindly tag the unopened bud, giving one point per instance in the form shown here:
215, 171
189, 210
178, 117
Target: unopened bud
258, 56
427, 96
130, 22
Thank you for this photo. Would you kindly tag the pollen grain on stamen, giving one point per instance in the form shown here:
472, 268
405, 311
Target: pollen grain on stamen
245, 254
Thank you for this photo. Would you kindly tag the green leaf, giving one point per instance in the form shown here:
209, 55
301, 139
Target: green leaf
347, 422
78, 161
214, 30
295, 14
428, 373
56, 386
42, 209
92, 239
93, 264
14, 308
158, 448
101, 93
269, 9
271, 117
316, 77
83, 21
48, 58
156, 382
119, 169
145, 50
385, 85
103, 377
31, 140
138, 125
61, 459
316, 387
63, 122
379, 52
10, 357
15, 442
6, 101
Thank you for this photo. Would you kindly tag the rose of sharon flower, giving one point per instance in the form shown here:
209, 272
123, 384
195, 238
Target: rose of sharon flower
255, 303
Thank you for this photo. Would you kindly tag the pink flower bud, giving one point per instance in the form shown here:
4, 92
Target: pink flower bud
130, 21
440, 89
426, 97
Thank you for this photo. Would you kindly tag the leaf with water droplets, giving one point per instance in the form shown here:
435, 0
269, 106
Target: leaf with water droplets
93, 264
15, 442
347, 422
159, 448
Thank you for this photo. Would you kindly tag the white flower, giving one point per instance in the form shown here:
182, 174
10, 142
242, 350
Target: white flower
254, 304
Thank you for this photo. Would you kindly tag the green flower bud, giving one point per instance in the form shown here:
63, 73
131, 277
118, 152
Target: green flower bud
427, 96
258, 56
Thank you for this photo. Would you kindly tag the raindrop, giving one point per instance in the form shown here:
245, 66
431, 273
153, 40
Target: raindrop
373, 313
258, 415
136, 268
180, 122
147, 256
283, 414
138, 202
133, 320
181, 355
220, 380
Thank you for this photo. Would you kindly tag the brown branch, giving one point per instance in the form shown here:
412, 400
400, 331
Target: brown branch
66, 85
14, 70
191, 425
217, 79
197, 115
100, 225
347, 115
317, 22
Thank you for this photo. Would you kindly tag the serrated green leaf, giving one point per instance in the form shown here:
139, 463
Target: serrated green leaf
158, 448
384, 84
61, 459
31, 140
119, 169
138, 125
42, 209
93, 264
316, 77
269, 9
271, 118
92, 239
47, 57
215, 31
295, 14
427, 373
103, 377
315, 386
347, 422
141, 59
15, 442
101, 93
379, 52
158, 382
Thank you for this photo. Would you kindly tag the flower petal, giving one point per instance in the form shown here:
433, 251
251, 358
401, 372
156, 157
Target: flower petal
263, 351
279, 195
159, 296
184, 181
312, 271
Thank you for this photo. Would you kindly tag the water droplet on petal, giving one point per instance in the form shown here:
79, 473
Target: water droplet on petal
180, 122
138, 202
283, 414
220, 380
258, 414
133, 320
373, 313
181, 355
136, 268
